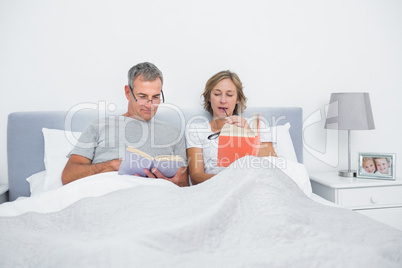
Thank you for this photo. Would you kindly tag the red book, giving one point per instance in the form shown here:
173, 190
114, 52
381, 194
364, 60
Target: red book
236, 142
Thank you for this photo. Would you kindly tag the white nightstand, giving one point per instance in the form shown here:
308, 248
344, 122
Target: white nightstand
3, 193
377, 199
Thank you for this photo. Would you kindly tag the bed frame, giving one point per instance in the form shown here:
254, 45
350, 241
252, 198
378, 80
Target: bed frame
25, 144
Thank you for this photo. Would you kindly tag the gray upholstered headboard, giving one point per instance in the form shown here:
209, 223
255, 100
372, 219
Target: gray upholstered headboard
25, 144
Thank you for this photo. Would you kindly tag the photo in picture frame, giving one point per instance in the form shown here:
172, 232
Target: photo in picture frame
379, 166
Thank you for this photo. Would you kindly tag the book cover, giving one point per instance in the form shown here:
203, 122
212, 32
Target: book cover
136, 160
236, 142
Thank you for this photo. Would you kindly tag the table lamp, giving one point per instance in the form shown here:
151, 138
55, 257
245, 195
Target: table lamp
349, 111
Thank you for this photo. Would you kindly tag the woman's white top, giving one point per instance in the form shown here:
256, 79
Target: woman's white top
197, 137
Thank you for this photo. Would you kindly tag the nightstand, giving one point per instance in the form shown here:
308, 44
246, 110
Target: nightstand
3, 193
377, 199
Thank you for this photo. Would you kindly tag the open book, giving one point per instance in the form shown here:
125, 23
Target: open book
236, 142
136, 160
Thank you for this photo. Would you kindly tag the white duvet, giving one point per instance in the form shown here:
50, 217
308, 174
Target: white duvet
104, 183
91, 186
255, 217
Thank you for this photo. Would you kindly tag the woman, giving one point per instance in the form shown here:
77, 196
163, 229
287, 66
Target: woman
224, 100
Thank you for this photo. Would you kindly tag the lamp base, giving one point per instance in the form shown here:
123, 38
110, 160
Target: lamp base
347, 173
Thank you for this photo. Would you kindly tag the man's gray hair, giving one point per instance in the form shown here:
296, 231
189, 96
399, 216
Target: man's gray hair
147, 70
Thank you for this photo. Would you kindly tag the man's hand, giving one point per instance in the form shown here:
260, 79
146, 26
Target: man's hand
180, 178
115, 164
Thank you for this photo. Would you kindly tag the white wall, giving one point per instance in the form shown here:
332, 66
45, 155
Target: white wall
56, 54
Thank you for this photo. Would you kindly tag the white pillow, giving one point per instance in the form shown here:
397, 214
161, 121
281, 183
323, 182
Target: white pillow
57, 147
37, 182
282, 142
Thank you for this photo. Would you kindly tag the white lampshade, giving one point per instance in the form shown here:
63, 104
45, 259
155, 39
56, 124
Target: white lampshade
350, 111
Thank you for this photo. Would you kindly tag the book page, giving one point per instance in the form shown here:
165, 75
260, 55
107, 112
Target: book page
232, 130
168, 158
139, 152
256, 123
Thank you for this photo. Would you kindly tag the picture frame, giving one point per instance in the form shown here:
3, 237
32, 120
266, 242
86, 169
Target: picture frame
379, 166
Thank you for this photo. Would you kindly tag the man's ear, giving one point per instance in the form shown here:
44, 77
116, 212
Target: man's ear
127, 91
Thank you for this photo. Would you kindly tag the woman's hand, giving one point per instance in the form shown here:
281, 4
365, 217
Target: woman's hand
239, 121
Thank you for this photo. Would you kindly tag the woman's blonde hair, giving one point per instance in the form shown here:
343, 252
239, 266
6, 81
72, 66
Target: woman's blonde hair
214, 80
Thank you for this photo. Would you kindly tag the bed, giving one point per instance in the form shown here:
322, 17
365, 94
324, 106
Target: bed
258, 213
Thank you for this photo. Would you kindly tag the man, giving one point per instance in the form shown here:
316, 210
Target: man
102, 144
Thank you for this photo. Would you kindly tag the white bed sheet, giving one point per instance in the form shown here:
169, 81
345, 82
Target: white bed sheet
104, 183
91, 186
239, 218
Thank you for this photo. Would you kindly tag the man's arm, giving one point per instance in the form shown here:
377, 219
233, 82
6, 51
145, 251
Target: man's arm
79, 167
